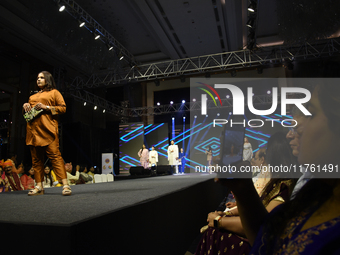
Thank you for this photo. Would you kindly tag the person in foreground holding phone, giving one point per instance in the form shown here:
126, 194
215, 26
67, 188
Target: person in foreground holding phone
42, 132
225, 232
310, 223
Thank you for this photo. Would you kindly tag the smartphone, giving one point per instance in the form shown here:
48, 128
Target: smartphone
232, 140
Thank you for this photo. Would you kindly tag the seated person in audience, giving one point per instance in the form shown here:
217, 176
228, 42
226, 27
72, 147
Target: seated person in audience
20, 170
92, 173
84, 175
260, 181
3, 185
294, 137
225, 232
12, 178
48, 178
72, 179
310, 223
27, 179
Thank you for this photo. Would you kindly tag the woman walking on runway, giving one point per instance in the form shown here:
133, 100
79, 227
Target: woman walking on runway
42, 132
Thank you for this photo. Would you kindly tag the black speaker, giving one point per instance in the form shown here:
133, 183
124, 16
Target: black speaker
136, 170
163, 169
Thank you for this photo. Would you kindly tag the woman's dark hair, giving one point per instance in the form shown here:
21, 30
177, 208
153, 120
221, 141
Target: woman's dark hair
315, 192
278, 153
50, 83
27, 172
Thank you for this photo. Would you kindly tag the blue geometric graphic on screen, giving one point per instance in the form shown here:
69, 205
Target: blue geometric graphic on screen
123, 138
258, 133
126, 158
214, 142
152, 129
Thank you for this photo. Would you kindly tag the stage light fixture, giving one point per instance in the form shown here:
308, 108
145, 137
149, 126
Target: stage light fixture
173, 118
230, 113
61, 7
218, 114
158, 103
81, 23
227, 96
95, 107
171, 102
269, 92
104, 111
110, 47
84, 103
250, 22
120, 56
195, 116
194, 99
183, 101
252, 6
206, 115
96, 36
184, 117
157, 83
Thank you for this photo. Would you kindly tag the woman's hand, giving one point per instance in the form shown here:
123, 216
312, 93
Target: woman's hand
40, 106
211, 217
27, 107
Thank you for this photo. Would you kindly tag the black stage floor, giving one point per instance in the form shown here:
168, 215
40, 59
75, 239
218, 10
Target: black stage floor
156, 215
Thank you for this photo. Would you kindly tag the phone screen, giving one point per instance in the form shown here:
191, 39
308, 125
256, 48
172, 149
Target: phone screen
232, 141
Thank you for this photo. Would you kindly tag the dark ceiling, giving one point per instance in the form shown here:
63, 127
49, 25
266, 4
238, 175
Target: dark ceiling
155, 30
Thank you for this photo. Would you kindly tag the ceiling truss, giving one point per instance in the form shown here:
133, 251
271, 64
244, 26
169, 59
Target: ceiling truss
212, 63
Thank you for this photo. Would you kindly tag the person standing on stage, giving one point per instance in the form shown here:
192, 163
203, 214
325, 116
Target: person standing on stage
182, 159
143, 154
247, 150
173, 155
153, 156
42, 134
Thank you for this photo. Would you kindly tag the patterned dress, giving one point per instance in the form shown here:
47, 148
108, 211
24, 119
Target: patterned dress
219, 241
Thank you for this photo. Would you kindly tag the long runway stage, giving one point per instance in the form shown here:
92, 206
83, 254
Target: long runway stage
157, 215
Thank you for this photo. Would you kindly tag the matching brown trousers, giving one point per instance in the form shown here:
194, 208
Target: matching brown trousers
53, 153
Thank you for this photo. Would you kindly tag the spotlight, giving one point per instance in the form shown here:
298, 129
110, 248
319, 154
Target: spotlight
110, 47
194, 99
95, 108
183, 101
269, 92
171, 102
84, 103
104, 111
120, 56
61, 7
252, 7
250, 22
81, 23
183, 117
218, 114
230, 113
173, 118
206, 115
158, 103
96, 36
227, 96
195, 116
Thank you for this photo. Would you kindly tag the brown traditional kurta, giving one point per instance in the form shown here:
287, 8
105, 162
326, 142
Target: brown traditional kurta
43, 130
42, 134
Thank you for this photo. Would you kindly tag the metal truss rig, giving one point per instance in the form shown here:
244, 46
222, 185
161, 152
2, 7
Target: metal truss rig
84, 96
227, 105
210, 63
80, 14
